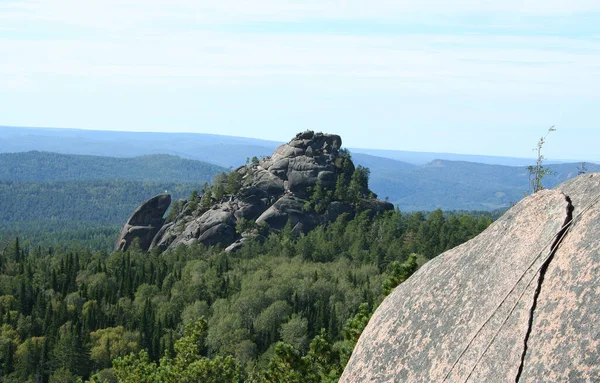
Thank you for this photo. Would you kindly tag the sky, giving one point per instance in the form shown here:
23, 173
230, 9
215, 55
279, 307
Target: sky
465, 76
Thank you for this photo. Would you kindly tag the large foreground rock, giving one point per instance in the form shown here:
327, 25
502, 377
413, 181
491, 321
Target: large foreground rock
473, 313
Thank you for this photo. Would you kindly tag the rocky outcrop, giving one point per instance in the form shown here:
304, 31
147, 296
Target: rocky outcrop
289, 208
145, 222
269, 193
518, 303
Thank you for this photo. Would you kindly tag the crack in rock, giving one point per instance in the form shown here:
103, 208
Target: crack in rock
543, 269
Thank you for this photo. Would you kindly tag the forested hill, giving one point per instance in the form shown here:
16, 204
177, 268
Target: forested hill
44, 166
98, 202
49, 198
89, 212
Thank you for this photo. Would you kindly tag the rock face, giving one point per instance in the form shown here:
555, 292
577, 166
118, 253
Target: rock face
515, 304
144, 223
269, 193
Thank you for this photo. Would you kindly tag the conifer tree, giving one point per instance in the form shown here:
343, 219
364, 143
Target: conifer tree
538, 171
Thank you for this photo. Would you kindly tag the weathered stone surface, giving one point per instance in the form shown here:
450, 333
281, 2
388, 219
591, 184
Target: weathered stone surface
250, 211
219, 234
274, 190
145, 222
299, 182
286, 151
282, 164
303, 163
164, 237
252, 193
438, 324
306, 135
268, 182
215, 217
564, 345
286, 208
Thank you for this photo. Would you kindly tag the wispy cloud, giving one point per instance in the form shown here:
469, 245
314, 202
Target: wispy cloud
196, 40
532, 51
117, 14
470, 63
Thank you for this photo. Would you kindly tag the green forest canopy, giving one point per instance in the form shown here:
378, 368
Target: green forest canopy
158, 168
288, 310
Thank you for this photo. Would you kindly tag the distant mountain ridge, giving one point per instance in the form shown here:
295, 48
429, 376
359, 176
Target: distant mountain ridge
458, 185
447, 185
221, 150
422, 158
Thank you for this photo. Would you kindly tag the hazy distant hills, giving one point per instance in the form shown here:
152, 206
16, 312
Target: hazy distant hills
457, 185
422, 158
220, 150
449, 185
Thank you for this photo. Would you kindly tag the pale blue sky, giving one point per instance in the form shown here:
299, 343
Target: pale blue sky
464, 76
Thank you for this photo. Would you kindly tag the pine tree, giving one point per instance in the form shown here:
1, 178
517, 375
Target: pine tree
341, 188
16, 251
359, 184
332, 328
538, 171
9, 355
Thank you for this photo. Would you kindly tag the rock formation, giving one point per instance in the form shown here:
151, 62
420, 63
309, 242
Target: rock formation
270, 192
518, 303
144, 223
